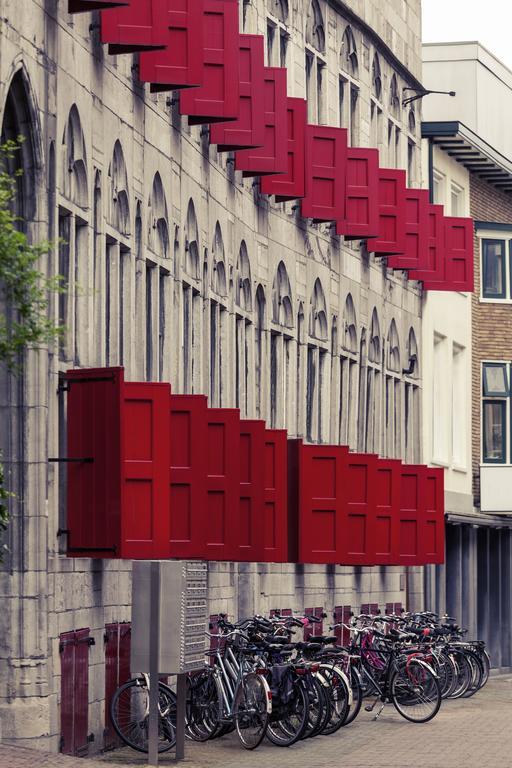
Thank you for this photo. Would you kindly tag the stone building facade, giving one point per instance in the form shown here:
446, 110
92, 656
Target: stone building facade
181, 271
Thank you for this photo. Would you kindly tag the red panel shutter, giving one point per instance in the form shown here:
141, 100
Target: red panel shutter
320, 503
180, 64
389, 609
217, 99
416, 231
74, 656
319, 628
251, 509
125, 639
249, 130
432, 524
365, 608
272, 156
361, 197
84, 6
222, 483
67, 691
111, 681
358, 492
391, 197
326, 153
275, 545
291, 185
434, 266
81, 713
188, 476
411, 513
388, 477
146, 440
138, 27
94, 488
309, 630
374, 608
459, 259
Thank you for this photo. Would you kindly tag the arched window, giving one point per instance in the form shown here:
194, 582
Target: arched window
301, 373
316, 65
348, 376
348, 86
394, 97
243, 322
118, 214
373, 387
74, 165
315, 28
317, 375
376, 78
393, 393
394, 129
376, 105
218, 321
278, 9
411, 148
98, 249
348, 53
158, 220
191, 304
281, 348
412, 400
260, 354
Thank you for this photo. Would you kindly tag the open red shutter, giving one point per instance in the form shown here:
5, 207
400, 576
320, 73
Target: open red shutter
432, 524
84, 6
251, 509
188, 519
67, 691
94, 486
388, 479
411, 512
138, 27
111, 681
326, 154
359, 485
416, 231
361, 198
249, 130
434, 266
319, 628
180, 63
365, 608
275, 547
271, 157
458, 255
217, 99
222, 483
81, 691
391, 198
291, 185
309, 629
147, 440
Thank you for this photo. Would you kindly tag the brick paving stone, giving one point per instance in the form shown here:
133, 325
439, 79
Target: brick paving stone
471, 733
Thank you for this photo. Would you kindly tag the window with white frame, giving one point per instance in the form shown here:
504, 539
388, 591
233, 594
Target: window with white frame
441, 430
317, 406
438, 188
496, 414
281, 349
349, 370
495, 267
243, 330
456, 199
459, 406
316, 65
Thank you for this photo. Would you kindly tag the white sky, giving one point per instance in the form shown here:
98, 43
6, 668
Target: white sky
488, 21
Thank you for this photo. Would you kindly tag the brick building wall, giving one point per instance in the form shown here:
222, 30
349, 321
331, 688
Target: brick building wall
491, 322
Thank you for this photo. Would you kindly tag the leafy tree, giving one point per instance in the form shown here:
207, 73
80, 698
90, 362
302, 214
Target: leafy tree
24, 291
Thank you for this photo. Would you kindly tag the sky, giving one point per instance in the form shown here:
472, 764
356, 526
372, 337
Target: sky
488, 21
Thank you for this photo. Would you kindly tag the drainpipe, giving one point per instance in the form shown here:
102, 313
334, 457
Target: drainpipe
431, 168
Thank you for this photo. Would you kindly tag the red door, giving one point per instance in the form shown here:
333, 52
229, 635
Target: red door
74, 705
218, 97
291, 185
326, 153
249, 130
180, 63
220, 515
188, 476
138, 27
252, 475
361, 196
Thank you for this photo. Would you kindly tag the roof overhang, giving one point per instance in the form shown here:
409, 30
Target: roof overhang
480, 158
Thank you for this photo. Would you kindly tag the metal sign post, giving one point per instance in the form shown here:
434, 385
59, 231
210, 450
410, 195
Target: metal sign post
154, 656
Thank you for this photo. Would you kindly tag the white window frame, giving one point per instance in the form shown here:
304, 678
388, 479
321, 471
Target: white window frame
506, 237
508, 415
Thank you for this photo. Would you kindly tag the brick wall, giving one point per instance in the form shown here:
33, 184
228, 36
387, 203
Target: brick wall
491, 323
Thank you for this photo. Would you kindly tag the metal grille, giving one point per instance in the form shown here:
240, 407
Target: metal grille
193, 615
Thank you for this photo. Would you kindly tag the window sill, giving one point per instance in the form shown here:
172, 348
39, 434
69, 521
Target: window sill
460, 468
483, 300
441, 463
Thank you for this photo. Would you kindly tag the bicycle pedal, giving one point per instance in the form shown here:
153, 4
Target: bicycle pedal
369, 708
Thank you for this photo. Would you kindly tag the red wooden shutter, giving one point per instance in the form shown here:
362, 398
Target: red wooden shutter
111, 681
188, 476
411, 507
459, 258
275, 546
67, 688
320, 503
84, 6
217, 99
291, 185
272, 156
319, 628
358, 498
309, 628
326, 153
220, 515
249, 130
125, 639
361, 196
416, 231
74, 655
434, 266
138, 27
251, 509
286, 612
391, 197
389, 609
387, 532
94, 488
432, 524
180, 63
146, 441
365, 608
374, 608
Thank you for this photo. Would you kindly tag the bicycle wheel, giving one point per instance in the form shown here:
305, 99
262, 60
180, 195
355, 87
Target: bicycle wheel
477, 669
447, 671
317, 703
415, 692
129, 712
251, 710
288, 722
203, 705
486, 663
339, 695
464, 675
357, 695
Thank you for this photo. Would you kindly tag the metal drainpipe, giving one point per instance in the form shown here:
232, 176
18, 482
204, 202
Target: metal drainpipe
431, 169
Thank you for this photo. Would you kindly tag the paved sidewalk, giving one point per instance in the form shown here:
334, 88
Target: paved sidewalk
472, 733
